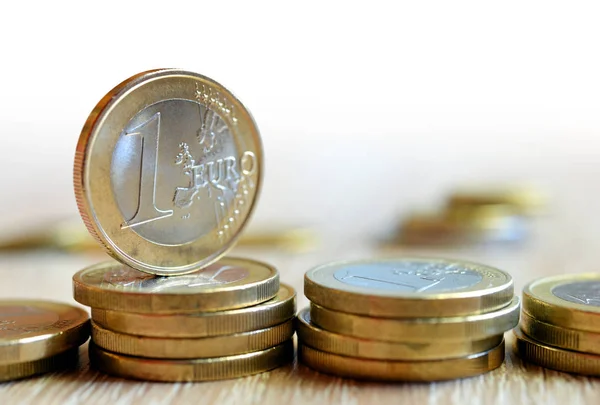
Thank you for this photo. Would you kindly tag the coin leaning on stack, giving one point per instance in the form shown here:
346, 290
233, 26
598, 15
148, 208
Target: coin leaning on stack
406, 319
560, 323
167, 171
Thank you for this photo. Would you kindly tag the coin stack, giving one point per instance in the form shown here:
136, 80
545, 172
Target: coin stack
167, 171
406, 319
39, 336
560, 323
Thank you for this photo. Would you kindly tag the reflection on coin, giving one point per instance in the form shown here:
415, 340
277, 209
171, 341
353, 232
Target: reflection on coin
416, 330
33, 330
555, 358
269, 313
428, 370
569, 301
228, 284
56, 362
167, 171
192, 370
570, 339
311, 335
192, 348
409, 287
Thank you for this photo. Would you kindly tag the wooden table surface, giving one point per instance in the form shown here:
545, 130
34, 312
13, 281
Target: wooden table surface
562, 241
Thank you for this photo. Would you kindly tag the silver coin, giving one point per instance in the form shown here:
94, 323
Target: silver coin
586, 293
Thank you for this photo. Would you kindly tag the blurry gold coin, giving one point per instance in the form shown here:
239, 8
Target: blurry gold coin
409, 287
555, 358
311, 335
570, 301
218, 368
528, 201
33, 330
202, 324
447, 329
427, 370
228, 284
56, 362
570, 339
192, 348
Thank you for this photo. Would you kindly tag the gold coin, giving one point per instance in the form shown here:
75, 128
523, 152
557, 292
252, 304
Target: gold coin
311, 335
192, 348
409, 287
56, 362
570, 301
525, 201
570, 339
167, 171
429, 370
218, 368
33, 330
555, 358
446, 329
228, 284
269, 313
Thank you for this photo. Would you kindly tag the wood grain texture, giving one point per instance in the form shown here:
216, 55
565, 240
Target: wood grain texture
559, 243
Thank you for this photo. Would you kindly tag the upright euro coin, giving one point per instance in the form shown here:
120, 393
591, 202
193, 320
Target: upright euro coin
228, 284
409, 288
167, 170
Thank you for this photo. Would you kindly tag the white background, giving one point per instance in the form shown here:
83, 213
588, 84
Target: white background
367, 109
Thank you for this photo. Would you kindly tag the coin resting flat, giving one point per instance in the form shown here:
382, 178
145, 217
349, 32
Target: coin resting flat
269, 313
409, 287
167, 170
56, 362
569, 301
228, 284
34, 330
311, 335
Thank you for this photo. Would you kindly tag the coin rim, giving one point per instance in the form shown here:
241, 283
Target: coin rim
55, 362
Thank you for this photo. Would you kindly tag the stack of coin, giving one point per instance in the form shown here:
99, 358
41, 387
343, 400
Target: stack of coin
167, 171
560, 323
406, 319
38, 337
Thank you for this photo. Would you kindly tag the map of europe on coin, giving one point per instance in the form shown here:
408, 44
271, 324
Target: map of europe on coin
167, 171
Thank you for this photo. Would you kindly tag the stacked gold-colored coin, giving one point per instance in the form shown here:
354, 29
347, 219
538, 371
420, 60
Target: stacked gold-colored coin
560, 324
229, 320
406, 319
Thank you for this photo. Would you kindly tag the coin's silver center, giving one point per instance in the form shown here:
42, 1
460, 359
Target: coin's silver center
177, 174
586, 292
416, 277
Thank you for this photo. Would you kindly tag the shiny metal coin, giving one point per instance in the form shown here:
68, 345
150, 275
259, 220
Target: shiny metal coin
167, 171
429, 370
409, 287
217, 368
56, 362
228, 284
202, 324
34, 330
311, 335
570, 301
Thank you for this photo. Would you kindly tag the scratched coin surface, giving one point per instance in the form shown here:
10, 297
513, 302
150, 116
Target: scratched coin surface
167, 170
34, 330
569, 301
409, 287
229, 283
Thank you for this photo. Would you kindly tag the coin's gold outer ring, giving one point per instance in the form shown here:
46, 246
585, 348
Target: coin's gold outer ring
311, 335
267, 314
218, 368
240, 294
56, 362
450, 329
70, 330
432, 370
543, 305
555, 358
494, 292
192, 348
92, 184
570, 339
